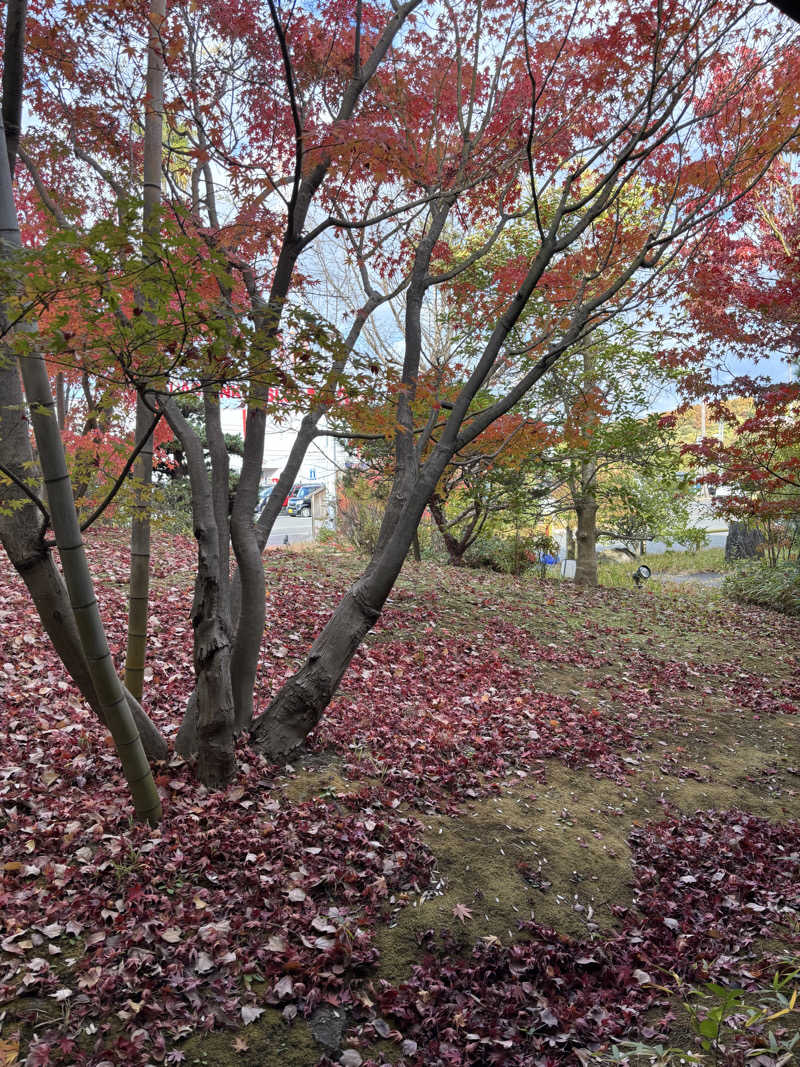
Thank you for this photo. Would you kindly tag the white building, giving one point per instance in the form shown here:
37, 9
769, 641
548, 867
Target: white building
326, 456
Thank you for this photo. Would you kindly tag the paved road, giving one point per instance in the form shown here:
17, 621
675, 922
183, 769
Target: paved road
296, 529
708, 578
715, 540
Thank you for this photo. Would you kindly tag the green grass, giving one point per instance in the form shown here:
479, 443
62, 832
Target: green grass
753, 582
618, 575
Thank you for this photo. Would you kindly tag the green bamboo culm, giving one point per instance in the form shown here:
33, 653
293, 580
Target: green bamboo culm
139, 590
66, 528
81, 591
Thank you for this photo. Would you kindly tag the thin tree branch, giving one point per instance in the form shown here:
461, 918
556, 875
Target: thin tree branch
28, 492
296, 119
98, 511
44, 196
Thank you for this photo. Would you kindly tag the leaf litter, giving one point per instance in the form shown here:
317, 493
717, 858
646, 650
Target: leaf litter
257, 905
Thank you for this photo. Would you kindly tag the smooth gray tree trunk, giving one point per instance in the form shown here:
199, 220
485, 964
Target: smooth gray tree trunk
207, 730
250, 595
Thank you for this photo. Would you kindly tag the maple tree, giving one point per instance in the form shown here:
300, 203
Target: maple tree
755, 476
198, 128
742, 300
503, 473
599, 249
297, 889
615, 191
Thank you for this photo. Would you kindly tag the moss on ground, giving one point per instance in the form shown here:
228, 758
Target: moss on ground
270, 1042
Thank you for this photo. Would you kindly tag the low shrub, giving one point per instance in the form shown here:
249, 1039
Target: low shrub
506, 555
775, 587
359, 513
171, 507
361, 502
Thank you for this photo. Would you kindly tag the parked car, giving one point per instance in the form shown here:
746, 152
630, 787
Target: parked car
300, 501
263, 496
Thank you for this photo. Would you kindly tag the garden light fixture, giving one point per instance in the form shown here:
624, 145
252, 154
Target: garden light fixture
641, 574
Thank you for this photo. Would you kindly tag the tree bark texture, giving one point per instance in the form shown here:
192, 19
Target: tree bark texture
570, 548
208, 727
586, 540
61, 400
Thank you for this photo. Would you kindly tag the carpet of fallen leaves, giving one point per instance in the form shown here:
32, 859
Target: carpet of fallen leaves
706, 887
117, 940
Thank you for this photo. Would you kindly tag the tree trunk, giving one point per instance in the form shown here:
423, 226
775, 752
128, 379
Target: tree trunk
570, 547
299, 705
586, 504
13, 57
455, 548
112, 700
208, 726
415, 547
139, 590
211, 709
220, 488
586, 539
